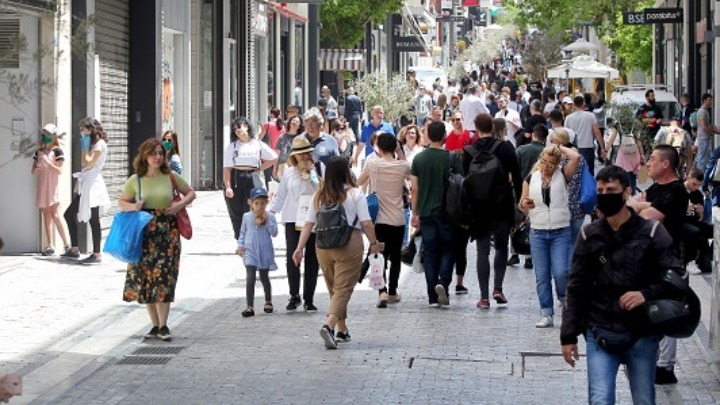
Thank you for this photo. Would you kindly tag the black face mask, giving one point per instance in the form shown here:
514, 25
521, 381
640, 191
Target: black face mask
652, 102
610, 204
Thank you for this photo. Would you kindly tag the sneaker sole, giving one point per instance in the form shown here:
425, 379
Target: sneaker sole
330, 342
382, 304
500, 300
461, 292
165, 338
442, 295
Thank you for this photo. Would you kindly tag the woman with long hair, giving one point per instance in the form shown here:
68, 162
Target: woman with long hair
341, 265
283, 147
344, 136
90, 191
499, 128
152, 280
170, 143
545, 199
47, 166
271, 131
244, 158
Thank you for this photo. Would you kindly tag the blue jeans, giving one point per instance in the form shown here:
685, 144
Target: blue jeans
575, 227
703, 153
550, 250
439, 253
633, 181
603, 367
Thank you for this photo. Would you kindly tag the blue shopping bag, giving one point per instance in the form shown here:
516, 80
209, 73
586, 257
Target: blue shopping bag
373, 206
126, 235
588, 190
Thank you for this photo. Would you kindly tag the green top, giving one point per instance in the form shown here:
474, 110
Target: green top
431, 167
156, 190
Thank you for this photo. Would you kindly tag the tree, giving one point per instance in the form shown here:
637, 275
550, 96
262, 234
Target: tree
632, 44
343, 21
394, 94
544, 51
483, 49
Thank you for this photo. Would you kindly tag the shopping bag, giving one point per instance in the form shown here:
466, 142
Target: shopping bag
304, 202
124, 242
373, 204
417, 264
520, 238
377, 267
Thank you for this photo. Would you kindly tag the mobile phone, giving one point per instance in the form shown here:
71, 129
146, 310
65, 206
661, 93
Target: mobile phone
12, 383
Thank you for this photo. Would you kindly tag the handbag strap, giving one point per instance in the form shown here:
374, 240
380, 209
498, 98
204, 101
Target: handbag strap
174, 184
139, 188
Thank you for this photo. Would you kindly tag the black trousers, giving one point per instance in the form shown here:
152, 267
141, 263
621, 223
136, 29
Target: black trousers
392, 236
461, 241
250, 280
72, 223
292, 237
241, 182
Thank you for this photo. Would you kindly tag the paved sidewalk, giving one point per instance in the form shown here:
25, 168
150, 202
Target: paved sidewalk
407, 353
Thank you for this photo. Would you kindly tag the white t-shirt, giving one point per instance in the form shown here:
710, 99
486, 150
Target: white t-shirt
470, 107
249, 154
355, 205
582, 123
512, 122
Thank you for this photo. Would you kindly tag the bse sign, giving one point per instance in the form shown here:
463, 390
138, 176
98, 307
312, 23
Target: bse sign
653, 16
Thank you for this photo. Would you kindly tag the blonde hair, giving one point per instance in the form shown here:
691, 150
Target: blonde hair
549, 151
561, 135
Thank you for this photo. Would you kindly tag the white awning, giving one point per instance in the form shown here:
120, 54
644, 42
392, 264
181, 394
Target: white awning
583, 67
352, 60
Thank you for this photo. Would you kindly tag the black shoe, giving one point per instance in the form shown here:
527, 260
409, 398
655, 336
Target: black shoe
92, 259
343, 336
69, 254
153, 334
528, 264
293, 303
309, 307
248, 312
328, 336
461, 289
513, 260
665, 376
164, 333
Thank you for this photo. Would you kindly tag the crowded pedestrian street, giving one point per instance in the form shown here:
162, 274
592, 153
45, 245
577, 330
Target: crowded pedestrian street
67, 331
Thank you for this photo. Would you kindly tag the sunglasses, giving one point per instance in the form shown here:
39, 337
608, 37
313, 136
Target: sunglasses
456, 119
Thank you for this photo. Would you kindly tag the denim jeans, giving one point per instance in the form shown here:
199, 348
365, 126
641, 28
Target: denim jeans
550, 251
589, 155
633, 181
703, 153
500, 233
603, 367
575, 227
439, 253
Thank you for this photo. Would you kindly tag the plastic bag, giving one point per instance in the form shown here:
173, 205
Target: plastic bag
377, 267
417, 264
124, 242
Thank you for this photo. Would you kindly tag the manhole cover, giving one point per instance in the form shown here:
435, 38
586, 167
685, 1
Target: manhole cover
157, 350
143, 360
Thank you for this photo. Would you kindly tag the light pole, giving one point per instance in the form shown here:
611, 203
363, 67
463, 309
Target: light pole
567, 63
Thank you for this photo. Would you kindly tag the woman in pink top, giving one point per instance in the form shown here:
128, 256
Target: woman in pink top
47, 165
272, 130
629, 156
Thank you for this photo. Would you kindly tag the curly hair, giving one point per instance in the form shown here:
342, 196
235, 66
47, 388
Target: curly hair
146, 149
96, 129
173, 135
301, 127
403, 133
236, 123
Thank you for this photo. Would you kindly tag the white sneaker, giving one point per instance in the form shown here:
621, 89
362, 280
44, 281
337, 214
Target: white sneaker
545, 321
693, 269
443, 298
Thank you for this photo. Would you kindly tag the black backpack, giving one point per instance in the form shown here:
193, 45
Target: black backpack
332, 229
486, 182
455, 205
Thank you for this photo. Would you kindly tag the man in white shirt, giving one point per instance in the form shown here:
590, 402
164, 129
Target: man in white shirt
511, 117
451, 89
470, 106
586, 127
423, 105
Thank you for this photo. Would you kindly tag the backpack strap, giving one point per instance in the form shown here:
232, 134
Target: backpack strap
495, 145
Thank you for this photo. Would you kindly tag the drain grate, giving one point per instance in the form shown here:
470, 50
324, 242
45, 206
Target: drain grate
144, 360
157, 350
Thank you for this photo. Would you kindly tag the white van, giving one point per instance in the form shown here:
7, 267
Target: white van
635, 94
426, 76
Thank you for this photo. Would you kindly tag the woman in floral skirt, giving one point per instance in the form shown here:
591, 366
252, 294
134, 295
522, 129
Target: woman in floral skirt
151, 281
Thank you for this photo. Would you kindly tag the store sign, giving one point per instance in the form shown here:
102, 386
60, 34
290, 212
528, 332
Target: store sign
653, 16
452, 18
408, 44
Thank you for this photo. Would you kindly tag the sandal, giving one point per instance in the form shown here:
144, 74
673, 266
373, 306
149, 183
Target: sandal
268, 308
248, 312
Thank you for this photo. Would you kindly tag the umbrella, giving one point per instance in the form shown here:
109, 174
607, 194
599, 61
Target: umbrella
581, 45
494, 27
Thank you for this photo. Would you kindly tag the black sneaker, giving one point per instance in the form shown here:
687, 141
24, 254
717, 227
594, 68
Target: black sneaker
248, 312
461, 289
665, 376
153, 334
309, 307
293, 303
528, 264
92, 259
343, 336
328, 336
69, 254
164, 333
513, 260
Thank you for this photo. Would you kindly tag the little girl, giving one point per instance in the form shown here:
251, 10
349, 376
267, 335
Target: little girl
255, 246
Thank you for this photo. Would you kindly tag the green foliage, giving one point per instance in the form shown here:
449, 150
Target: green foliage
343, 21
394, 94
544, 52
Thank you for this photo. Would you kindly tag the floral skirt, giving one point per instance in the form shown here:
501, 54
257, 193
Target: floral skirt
154, 277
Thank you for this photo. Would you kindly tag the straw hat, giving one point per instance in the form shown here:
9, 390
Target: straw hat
300, 144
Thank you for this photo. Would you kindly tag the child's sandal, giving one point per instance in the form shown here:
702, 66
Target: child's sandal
248, 312
268, 308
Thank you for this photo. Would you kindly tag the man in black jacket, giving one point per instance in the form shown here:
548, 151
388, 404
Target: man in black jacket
617, 266
495, 221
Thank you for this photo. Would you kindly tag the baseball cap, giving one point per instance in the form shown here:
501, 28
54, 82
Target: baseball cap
258, 192
567, 100
52, 129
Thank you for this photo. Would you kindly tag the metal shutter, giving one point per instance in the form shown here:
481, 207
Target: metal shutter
250, 96
112, 40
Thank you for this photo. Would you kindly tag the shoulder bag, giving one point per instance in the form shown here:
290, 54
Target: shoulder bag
183, 219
